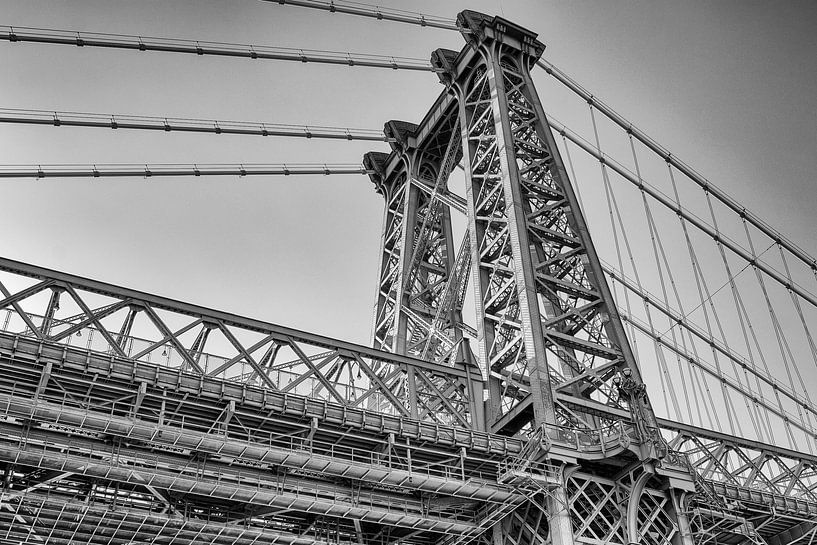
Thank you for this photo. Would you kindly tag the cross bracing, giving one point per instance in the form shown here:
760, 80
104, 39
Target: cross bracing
47, 392
611, 464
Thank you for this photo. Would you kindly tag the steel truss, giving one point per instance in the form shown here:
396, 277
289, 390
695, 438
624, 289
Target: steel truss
106, 448
750, 489
142, 327
130, 418
546, 323
541, 297
100, 444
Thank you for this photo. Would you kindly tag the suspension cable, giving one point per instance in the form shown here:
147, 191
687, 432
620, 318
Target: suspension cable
683, 212
682, 167
799, 308
705, 296
370, 10
736, 296
182, 124
373, 11
612, 205
200, 47
656, 243
120, 170
767, 378
728, 381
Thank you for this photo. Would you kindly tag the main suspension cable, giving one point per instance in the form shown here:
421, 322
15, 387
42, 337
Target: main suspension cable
200, 47
181, 124
685, 169
370, 10
373, 11
682, 212
121, 170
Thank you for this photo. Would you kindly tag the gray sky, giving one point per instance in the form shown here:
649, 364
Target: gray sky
728, 86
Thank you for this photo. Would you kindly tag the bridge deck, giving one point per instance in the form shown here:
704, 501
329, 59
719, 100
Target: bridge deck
110, 450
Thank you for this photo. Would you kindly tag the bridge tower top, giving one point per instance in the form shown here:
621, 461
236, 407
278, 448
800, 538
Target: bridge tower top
478, 29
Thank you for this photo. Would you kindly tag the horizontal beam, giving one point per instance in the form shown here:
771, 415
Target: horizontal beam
224, 483
278, 410
776, 503
173, 170
72, 520
333, 460
16, 34
179, 124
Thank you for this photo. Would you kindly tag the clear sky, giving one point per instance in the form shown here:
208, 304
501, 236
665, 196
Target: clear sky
728, 86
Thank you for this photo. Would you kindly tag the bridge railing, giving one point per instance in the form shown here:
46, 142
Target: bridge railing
84, 457
69, 310
591, 440
258, 448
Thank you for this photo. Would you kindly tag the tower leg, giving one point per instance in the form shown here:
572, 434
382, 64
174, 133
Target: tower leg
561, 528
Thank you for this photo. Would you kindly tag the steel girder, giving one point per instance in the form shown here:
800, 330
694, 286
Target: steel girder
73, 311
104, 449
108, 449
750, 489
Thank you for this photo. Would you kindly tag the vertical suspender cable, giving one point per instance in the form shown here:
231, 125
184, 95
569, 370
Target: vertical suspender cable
697, 274
735, 297
655, 240
611, 203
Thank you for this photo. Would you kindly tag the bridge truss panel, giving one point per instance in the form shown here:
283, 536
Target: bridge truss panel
72, 311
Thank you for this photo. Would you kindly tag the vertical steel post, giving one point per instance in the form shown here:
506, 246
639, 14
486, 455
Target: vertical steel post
545, 314
417, 244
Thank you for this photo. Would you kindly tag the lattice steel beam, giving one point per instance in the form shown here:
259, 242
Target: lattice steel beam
348, 374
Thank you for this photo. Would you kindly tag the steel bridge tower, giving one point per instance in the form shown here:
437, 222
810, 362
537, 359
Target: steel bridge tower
127, 417
550, 343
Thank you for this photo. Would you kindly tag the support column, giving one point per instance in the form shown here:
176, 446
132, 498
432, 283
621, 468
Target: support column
394, 188
547, 324
545, 312
412, 314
